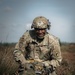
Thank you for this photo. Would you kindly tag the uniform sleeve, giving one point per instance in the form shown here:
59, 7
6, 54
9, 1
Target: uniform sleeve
20, 49
55, 54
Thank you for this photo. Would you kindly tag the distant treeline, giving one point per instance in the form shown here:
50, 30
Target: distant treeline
7, 44
61, 43
67, 43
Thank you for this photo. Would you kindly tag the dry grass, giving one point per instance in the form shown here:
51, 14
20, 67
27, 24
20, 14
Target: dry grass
7, 64
9, 67
68, 63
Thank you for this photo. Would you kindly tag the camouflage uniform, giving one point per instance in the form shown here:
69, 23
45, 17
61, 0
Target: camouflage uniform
48, 50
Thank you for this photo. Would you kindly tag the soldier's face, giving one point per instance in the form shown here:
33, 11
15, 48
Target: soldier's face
40, 33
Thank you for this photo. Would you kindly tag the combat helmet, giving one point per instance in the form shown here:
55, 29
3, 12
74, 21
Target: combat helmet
41, 22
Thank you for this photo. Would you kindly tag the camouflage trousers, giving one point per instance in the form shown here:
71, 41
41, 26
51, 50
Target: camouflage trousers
30, 69
31, 72
27, 72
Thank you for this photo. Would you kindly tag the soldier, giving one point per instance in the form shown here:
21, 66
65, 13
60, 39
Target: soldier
37, 44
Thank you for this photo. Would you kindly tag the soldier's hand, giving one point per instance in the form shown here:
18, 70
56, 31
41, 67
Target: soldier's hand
46, 63
38, 60
33, 61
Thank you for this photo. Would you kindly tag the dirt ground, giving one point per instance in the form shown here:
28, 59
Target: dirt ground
68, 63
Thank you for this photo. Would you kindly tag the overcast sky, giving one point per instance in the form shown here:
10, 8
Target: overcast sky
16, 17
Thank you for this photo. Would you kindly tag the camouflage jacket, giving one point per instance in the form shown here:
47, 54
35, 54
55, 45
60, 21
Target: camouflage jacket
47, 50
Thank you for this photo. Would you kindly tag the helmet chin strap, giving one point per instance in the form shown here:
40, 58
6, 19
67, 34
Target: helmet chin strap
40, 37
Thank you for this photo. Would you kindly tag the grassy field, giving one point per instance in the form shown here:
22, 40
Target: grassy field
68, 63
9, 67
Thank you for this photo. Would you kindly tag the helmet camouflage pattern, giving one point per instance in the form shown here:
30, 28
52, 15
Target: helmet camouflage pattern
40, 22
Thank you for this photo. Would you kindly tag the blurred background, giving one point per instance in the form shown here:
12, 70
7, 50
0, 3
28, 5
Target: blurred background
16, 17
